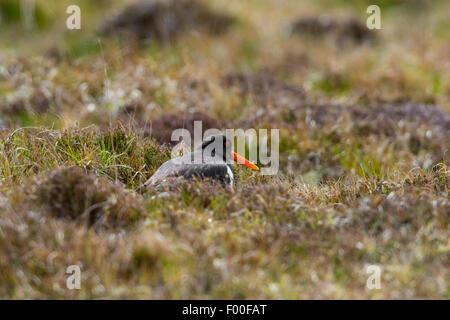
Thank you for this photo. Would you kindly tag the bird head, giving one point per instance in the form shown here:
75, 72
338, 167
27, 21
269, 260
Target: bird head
219, 146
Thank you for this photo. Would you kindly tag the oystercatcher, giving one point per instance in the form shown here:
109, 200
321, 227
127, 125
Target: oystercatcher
209, 161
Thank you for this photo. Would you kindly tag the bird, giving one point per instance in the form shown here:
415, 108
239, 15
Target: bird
210, 160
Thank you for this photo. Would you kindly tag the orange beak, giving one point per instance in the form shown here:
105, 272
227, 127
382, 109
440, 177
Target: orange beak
241, 160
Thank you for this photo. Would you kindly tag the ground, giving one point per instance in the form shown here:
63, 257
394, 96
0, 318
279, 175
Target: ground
364, 152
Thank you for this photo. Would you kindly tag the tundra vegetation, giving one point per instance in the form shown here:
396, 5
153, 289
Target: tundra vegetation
86, 117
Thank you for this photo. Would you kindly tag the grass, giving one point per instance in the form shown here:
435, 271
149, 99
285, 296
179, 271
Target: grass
364, 160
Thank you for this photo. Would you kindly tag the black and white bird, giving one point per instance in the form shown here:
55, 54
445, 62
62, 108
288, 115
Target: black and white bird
211, 160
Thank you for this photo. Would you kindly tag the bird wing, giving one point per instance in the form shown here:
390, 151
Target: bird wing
182, 168
215, 171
